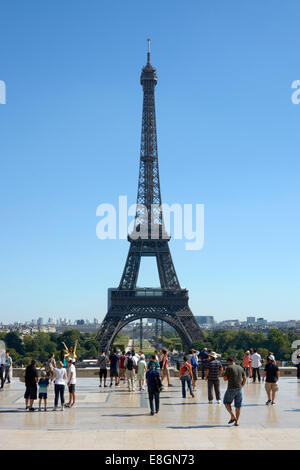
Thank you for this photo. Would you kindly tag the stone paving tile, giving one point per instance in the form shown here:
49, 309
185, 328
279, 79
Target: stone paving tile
116, 419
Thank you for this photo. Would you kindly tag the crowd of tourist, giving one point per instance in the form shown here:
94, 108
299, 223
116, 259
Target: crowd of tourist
134, 371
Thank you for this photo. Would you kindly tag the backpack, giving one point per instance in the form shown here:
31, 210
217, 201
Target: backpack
194, 362
129, 363
158, 384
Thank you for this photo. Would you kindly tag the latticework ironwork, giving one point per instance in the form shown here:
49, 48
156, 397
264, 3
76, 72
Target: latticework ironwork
127, 303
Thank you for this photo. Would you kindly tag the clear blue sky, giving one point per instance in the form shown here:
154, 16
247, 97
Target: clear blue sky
228, 137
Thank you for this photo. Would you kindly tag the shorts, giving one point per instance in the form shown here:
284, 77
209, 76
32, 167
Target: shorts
122, 372
114, 373
271, 386
103, 373
140, 377
30, 393
43, 395
233, 394
72, 388
164, 373
195, 372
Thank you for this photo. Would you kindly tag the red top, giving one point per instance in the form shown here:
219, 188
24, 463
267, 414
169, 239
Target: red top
186, 370
121, 362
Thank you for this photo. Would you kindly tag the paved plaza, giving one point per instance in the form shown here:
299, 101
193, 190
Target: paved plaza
113, 418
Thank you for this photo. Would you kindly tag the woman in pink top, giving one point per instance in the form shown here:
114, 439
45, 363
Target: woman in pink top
247, 364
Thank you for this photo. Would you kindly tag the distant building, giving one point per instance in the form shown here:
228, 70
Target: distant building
261, 321
251, 320
205, 320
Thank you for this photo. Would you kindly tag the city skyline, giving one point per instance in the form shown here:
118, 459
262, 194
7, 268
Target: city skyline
224, 93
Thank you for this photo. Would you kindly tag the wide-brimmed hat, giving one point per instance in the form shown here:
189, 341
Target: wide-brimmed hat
213, 354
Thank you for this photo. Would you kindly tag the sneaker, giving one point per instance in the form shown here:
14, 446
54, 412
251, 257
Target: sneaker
67, 405
268, 402
193, 395
40, 409
73, 405
62, 408
151, 413
31, 409
100, 385
273, 403
218, 402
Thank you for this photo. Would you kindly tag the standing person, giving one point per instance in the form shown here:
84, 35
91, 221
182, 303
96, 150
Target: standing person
156, 356
165, 367
63, 358
141, 372
194, 364
271, 374
102, 361
71, 352
298, 367
50, 365
135, 359
114, 368
154, 387
31, 379
71, 383
204, 357
236, 378
213, 372
43, 389
1, 375
130, 372
186, 377
256, 364
121, 365
8, 367
59, 376
247, 363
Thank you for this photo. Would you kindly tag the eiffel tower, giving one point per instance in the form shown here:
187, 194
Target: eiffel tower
169, 303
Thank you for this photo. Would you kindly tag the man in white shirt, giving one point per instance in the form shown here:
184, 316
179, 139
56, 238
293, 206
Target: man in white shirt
256, 364
71, 383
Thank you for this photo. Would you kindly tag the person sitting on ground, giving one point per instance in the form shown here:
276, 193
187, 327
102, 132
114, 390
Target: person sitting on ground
271, 374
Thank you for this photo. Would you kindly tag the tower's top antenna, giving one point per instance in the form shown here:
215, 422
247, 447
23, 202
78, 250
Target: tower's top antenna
148, 54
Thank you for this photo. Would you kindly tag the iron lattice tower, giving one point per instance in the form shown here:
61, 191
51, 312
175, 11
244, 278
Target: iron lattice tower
128, 303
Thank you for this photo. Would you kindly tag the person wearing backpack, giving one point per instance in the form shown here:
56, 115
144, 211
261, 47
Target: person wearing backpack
186, 377
154, 388
130, 372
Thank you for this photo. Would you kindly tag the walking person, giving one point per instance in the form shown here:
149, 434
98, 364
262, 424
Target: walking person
195, 365
43, 390
130, 371
71, 381
213, 372
154, 388
59, 376
114, 368
247, 364
236, 378
31, 379
271, 375
256, 364
7, 367
186, 377
165, 367
141, 374
154, 361
102, 362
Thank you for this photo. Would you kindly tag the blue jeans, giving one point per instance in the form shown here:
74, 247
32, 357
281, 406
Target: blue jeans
184, 380
233, 394
153, 396
7, 375
59, 390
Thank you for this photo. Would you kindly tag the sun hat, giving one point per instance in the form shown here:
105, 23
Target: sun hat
271, 358
213, 354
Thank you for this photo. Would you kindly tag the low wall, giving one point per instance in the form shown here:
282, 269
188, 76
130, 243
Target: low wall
94, 372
